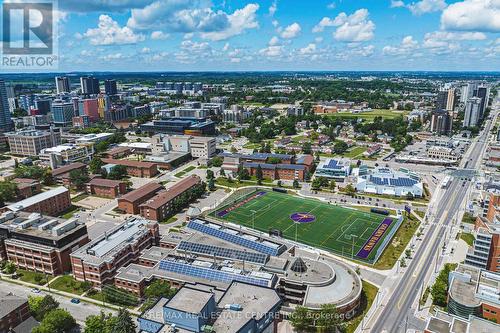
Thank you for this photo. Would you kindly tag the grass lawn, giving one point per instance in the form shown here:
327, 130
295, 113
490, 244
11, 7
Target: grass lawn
468, 238
32, 277
369, 116
355, 152
367, 298
180, 174
250, 145
68, 284
169, 220
401, 239
70, 212
341, 230
468, 218
79, 197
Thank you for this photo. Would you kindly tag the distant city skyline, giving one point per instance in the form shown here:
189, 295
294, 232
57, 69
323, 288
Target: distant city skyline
202, 35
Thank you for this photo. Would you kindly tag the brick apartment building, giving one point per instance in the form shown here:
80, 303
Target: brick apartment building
27, 187
277, 171
15, 310
61, 175
135, 168
97, 261
52, 203
130, 202
160, 207
40, 243
107, 188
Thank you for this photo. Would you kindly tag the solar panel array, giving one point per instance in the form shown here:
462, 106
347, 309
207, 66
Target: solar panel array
222, 252
236, 239
333, 164
209, 273
393, 181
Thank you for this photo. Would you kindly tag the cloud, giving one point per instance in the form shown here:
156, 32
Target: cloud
274, 41
472, 15
272, 51
354, 28
113, 56
291, 31
455, 36
397, 4
327, 22
331, 5
101, 5
187, 17
426, 6
309, 49
407, 46
109, 32
159, 35
192, 52
145, 50
273, 8
241, 20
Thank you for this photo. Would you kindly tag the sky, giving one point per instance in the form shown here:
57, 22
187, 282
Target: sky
237, 35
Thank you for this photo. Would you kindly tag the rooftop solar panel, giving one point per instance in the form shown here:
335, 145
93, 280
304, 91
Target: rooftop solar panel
222, 252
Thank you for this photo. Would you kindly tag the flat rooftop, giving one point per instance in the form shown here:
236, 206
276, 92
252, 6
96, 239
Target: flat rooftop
255, 302
189, 300
20, 205
108, 245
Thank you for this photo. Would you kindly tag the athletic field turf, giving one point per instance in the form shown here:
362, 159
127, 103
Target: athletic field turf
344, 231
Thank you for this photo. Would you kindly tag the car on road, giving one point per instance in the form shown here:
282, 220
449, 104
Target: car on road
35, 290
75, 301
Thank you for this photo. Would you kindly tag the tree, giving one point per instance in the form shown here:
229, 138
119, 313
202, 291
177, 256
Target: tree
124, 323
350, 189
211, 184
79, 178
96, 165
217, 161
117, 172
329, 318
7, 191
333, 185
340, 147
295, 183
222, 173
273, 160
40, 306
300, 319
158, 289
101, 323
210, 174
279, 183
259, 175
56, 321
409, 196
9, 268
306, 148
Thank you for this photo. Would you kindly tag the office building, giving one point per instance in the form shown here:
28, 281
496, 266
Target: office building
197, 308
334, 169
134, 168
389, 182
474, 291
441, 122
188, 126
93, 138
98, 261
41, 243
468, 91
110, 87
31, 142
442, 322
52, 202
63, 113
15, 311
81, 121
89, 107
130, 202
162, 205
89, 85
443, 154
104, 104
106, 188
203, 147
483, 92
62, 84
485, 250
65, 154
5, 123
43, 106
472, 112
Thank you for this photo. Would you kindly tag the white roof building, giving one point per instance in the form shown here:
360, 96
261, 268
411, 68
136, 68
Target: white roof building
389, 182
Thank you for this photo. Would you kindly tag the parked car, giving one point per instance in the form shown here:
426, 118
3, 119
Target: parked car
75, 301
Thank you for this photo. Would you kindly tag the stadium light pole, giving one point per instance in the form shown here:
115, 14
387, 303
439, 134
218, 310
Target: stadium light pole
352, 248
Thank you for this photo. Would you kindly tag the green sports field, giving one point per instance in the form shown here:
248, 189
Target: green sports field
340, 230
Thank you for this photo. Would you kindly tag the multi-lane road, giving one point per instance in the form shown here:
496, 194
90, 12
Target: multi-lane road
393, 316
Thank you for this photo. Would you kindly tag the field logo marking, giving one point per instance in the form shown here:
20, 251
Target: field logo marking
303, 217
376, 236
